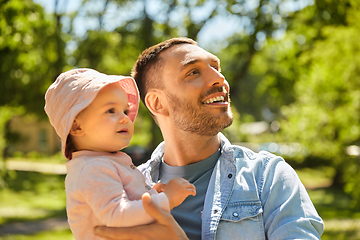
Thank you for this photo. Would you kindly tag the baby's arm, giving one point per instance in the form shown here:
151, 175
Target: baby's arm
177, 190
101, 188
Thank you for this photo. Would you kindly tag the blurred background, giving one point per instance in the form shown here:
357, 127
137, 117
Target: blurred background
293, 68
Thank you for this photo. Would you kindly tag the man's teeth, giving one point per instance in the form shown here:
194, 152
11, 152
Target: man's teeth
215, 99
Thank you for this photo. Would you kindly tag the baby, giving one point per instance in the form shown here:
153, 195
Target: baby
94, 113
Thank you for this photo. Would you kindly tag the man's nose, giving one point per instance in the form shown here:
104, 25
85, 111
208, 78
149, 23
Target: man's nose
215, 77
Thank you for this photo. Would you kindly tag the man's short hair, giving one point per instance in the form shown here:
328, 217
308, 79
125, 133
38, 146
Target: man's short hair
147, 70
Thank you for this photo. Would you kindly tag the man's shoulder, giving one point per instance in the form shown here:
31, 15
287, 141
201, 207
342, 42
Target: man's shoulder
240, 151
249, 153
245, 156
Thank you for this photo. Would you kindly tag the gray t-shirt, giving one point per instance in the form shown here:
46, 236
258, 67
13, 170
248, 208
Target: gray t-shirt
188, 214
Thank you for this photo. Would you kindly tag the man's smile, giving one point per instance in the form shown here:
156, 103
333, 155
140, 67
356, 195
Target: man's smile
219, 98
215, 99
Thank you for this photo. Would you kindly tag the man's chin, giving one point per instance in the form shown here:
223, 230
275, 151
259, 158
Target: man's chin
214, 128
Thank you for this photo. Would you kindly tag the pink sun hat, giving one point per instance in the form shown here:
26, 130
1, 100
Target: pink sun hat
74, 90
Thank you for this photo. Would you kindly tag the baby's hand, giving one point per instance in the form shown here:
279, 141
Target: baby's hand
159, 187
177, 190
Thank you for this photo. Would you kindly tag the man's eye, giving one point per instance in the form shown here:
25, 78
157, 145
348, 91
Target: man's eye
216, 68
192, 72
111, 110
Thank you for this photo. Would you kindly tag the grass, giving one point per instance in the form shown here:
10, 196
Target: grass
332, 204
342, 229
29, 196
53, 235
341, 222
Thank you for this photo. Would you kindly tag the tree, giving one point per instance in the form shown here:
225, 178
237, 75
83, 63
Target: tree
262, 22
326, 115
276, 67
28, 55
149, 24
322, 66
31, 56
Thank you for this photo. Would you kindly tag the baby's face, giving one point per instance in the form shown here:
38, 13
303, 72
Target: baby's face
105, 124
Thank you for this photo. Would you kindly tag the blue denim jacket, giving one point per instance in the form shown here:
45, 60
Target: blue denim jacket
251, 196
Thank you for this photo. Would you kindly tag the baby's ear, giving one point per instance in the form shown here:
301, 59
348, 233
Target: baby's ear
76, 129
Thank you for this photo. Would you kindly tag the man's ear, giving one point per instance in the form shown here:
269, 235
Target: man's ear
155, 103
76, 129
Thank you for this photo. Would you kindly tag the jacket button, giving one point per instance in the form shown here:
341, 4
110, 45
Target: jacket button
235, 214
230, 175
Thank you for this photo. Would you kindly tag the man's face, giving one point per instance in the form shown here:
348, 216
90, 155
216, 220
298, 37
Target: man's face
197, 93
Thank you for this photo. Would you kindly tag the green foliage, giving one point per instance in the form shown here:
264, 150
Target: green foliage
6, 113
276, 66
117, 57
326, 116
310, 80
28, 52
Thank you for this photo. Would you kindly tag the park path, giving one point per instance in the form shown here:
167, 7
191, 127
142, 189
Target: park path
36, 167
31, 227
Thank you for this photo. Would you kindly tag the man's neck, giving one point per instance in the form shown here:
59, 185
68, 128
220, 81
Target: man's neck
187, 148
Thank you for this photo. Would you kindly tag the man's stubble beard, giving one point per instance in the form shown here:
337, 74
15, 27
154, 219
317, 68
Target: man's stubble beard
195, 119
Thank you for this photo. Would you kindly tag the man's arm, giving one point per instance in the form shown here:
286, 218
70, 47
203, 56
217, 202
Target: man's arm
165, 226
288, 210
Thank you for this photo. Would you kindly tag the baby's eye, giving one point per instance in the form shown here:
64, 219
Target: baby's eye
111, 110
126, 112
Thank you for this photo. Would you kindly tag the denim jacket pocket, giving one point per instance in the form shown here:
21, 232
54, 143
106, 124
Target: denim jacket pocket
241, 220
238, 211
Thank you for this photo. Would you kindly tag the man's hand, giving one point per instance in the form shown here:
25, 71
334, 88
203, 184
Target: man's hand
165, 226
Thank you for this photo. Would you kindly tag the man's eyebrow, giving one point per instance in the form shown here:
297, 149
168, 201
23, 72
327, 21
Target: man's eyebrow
191, 61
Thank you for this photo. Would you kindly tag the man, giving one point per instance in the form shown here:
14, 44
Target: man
240, 194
